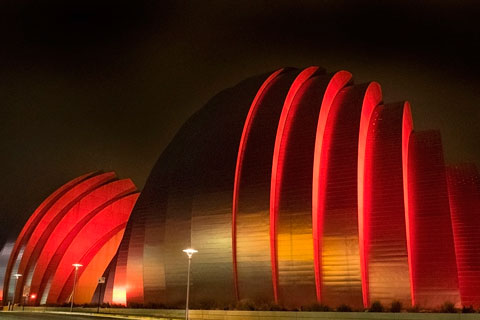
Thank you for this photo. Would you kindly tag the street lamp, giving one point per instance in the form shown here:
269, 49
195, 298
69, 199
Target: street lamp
16, 275
189, 253
76, 265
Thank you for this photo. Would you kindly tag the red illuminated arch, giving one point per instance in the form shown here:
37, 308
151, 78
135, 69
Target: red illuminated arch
337, 203
382, 230
291, 186
87, 283
252, 265
369, 104
48, 222
238, 170
68, 227
277, 166
93, 206
407, 129
32, 223
103, 226
339, 81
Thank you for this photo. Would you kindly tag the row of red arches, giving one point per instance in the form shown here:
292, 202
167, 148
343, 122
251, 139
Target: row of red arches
350, 176
83, 218
336, 199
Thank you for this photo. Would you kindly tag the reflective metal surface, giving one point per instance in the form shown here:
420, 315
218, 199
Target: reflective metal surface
288, 199
252, 214
291, 190
434, 269
464, 195
187, 202
67, 228
44, 228
341, 280
385, 244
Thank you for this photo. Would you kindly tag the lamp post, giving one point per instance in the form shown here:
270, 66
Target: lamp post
16, 275
189, 253
101, 280
76, 265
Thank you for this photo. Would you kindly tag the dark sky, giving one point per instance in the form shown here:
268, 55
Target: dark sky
87, 85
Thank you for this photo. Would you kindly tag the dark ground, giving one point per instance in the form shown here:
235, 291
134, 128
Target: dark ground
52, 316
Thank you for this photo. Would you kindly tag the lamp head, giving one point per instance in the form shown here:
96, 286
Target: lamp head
190, 252
17, 275
77, 265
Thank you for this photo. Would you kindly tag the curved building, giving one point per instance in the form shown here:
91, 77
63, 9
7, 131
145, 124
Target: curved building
299, 187
296, 187
81, 222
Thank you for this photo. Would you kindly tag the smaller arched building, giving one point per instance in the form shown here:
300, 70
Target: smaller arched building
296, 187
81, 222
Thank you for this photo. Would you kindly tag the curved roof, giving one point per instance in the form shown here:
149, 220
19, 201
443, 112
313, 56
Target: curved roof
296, 187
288, 185
70, 226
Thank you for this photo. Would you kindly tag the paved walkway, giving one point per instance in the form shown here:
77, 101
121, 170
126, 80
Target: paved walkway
60, 315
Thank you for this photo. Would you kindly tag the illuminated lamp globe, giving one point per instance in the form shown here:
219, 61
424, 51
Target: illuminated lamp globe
190, 252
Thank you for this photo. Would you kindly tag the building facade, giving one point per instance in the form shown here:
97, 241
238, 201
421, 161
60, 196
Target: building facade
296, 187
300, 187
82, 222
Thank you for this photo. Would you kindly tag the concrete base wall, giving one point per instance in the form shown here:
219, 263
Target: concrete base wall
265, 315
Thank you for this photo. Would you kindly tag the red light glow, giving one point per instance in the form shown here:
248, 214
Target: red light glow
238, 170
339, 81
372, 98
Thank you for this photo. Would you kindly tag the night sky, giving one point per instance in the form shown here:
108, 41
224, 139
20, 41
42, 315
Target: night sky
95, 85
